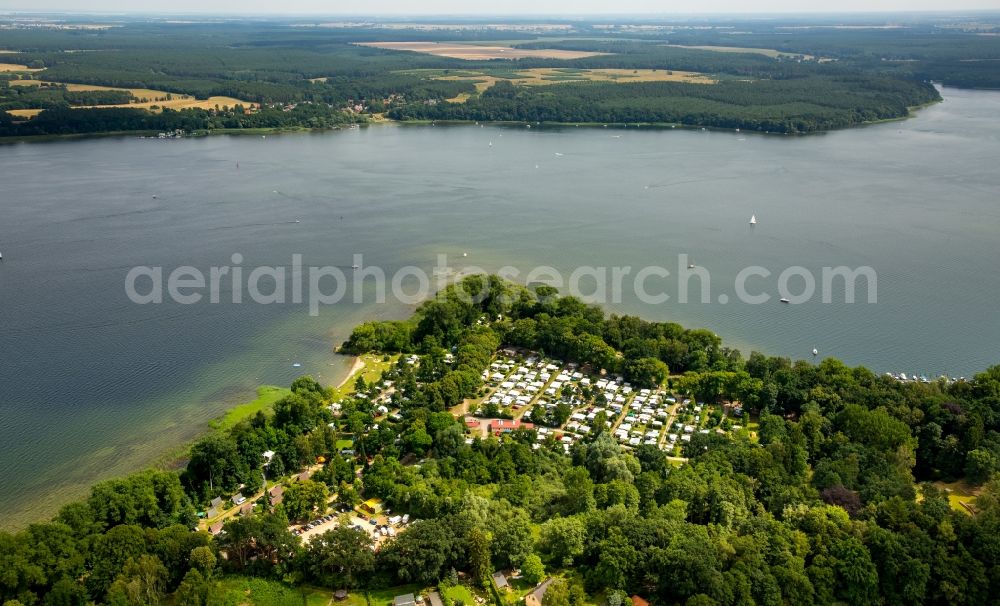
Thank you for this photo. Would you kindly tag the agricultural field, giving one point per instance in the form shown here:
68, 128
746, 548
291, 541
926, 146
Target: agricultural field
478, 52
16, 67
147, 98
484, 79
24, 113
767, 52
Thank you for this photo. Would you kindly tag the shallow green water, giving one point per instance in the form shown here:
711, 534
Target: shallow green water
92, 385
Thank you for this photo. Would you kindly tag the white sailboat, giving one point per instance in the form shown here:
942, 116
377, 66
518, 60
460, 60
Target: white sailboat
753, 219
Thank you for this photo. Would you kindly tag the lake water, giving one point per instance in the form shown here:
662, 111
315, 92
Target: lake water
92, 385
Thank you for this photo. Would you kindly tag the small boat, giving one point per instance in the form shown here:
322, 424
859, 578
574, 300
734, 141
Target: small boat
355, 266
558, 154
296, 365
784, 300
491, 144
465, 254
815, 352
753, 219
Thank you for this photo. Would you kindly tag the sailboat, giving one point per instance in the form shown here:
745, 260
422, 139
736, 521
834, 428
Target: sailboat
753, 219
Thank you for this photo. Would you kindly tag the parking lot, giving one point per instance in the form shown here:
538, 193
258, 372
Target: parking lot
380, 531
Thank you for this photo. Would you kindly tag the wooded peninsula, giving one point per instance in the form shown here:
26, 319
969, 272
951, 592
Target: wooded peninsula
508, 445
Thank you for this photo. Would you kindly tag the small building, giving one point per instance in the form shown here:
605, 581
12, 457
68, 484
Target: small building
275, 495
373, 507
340, 595
435, 599
637, 601
500, 580
216, 503
247, 508
212, 513
535, 597
215, 529
406, 599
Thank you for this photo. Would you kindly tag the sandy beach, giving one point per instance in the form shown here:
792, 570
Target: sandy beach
355, 369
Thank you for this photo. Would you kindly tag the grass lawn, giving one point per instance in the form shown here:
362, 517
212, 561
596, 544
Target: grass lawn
753, 426
461, 592
384, 597
267, 395
260, 592
518, 589
320, 597
355, 598
344, 443
372, 372
958, 493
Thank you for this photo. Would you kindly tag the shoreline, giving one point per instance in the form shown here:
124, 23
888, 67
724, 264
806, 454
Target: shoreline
171, 458
911, 113
356, 367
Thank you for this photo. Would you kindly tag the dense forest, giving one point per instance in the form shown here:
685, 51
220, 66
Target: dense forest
832, 500
778, 106
826, 76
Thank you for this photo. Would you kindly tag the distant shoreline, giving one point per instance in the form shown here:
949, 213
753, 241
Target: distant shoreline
911, 113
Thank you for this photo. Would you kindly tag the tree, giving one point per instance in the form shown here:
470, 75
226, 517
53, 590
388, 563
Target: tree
111, 553
341, 557
258, 544
193, 590
562, 592
980, 464
141, 583
532, 569
424, 552
511, 539
647, 372
479, 556
303, 499
203, 560
562, 539
215, 466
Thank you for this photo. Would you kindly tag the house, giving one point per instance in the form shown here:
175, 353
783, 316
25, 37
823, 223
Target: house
406, 599
500, 580
535, 597
212, 513
216, 503
215, 529
499, 426
247, 508
276, 494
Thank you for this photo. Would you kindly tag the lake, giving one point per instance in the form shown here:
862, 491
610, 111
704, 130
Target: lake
94, 385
